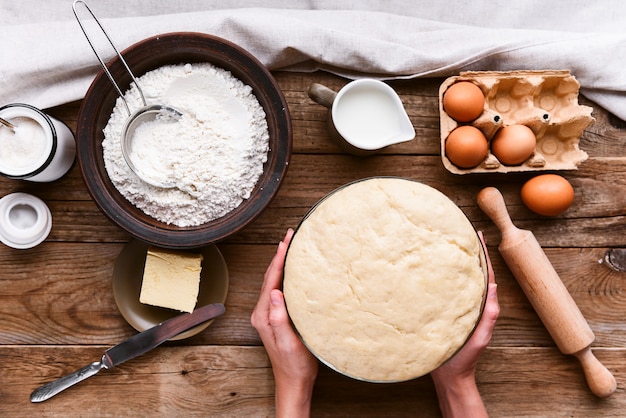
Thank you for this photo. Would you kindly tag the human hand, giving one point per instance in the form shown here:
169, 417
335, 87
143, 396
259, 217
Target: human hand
455, 380
294, 367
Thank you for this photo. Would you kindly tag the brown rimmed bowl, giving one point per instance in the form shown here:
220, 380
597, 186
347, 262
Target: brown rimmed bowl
172, 49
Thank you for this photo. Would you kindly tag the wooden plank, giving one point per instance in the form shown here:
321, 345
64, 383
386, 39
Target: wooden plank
46, 299
169, 381
597, 216
69, 187
237, 381
532, 382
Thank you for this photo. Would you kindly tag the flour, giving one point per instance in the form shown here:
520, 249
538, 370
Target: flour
214, 153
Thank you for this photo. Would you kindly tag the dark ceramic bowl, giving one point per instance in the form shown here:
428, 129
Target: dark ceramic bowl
147, 55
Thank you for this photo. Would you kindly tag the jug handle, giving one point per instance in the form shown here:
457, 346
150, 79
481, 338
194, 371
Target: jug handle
322, 95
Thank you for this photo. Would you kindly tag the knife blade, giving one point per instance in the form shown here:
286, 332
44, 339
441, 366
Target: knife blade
133, 347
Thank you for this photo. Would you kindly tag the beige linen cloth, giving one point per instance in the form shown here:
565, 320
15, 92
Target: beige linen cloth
46, 61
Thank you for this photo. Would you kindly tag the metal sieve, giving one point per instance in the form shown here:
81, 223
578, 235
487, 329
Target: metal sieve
145, 114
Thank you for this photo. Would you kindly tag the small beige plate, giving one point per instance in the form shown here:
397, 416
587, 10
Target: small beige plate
128, 274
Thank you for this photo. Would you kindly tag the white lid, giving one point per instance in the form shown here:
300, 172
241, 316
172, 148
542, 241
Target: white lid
25, 220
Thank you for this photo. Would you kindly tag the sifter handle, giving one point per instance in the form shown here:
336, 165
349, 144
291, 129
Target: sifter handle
102, 63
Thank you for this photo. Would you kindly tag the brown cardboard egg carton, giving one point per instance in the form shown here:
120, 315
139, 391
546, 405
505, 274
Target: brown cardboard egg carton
545, 101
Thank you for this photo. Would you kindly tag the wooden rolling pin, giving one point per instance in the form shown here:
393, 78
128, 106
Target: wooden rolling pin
547, 293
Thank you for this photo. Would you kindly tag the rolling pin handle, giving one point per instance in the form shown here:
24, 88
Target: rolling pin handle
492, 203
600, 380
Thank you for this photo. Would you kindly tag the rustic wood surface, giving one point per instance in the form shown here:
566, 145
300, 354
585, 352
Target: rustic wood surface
57, 311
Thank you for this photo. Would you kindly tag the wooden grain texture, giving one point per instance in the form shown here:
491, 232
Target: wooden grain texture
237, 381
46, 300
57, 311
600, 201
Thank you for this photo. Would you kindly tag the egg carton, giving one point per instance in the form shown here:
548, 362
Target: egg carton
545, 101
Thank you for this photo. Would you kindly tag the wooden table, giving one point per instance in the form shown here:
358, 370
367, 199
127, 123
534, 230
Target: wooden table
57, 311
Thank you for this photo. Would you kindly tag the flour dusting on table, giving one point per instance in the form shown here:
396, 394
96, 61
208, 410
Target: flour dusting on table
214, 153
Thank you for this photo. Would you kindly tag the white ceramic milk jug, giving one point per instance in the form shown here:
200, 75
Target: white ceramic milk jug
365, 116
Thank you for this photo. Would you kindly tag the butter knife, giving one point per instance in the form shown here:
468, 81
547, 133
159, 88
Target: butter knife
132, 347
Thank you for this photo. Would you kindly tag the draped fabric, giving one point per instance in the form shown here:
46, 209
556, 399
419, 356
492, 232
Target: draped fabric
45, 59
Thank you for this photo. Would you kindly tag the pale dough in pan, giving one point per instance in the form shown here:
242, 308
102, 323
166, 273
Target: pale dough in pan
383, 279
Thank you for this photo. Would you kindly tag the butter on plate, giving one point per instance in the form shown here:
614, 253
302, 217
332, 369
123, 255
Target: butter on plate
171, 279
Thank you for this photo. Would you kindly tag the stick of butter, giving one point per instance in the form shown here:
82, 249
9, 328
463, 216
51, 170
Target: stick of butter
171, 279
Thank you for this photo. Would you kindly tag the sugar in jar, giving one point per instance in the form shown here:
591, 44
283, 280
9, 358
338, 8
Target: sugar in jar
38, 148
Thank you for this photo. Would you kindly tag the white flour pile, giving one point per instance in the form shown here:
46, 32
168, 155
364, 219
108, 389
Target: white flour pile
214, 153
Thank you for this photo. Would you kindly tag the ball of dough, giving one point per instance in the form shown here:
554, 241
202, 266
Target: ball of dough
384, 279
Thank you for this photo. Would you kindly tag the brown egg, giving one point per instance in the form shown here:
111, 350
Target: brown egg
548, 194
463, 101
513, 144
466, 147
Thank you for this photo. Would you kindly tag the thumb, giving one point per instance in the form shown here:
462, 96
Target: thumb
278, 317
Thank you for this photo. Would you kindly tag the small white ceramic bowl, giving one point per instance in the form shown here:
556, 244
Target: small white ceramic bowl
25, 220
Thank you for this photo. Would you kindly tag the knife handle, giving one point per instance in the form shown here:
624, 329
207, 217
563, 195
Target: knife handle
48, 390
